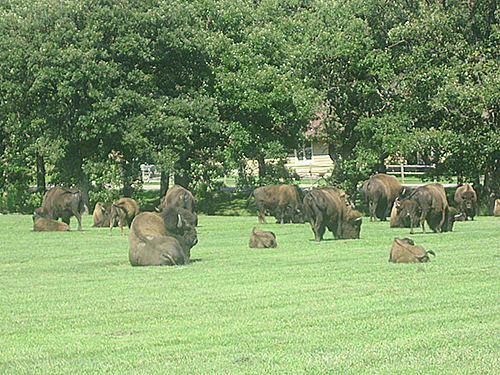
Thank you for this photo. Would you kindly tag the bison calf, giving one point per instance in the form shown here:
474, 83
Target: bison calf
41, 224
261, 239
124, 210
405, 251
162, 239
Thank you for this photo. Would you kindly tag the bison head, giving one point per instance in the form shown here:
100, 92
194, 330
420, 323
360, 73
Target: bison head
180, 223
351, 226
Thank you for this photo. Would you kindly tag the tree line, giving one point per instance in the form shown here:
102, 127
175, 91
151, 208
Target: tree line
90, 89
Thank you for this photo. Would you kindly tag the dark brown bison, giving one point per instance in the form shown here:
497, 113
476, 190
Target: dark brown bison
466, 199
62, 203
41, 224
380, 192
327, 207
282, 201
405, 251
159, 239
261, 239
179, 197
496, 210
101, 214
428, 202
124, 210
400, 214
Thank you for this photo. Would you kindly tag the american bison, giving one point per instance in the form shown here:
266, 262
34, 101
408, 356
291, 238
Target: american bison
282, 201
380, 192
41, 224
166, 238
261, 239
124, 210
101, 214
400, 214
466, 199
328, 207
179, 197
405, 251
428, 202
496, 210
62, 203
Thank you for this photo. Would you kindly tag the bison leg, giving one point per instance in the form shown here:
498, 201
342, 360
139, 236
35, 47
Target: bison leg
422, 220
111, 224
120, 224
319, 232
78, 216
262, 217
373, 209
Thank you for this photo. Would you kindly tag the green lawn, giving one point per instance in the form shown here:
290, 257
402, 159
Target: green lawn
71, 304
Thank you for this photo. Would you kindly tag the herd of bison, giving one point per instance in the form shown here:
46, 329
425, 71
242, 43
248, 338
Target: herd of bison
166, 237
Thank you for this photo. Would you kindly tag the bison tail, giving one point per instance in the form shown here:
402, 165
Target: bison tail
431, 252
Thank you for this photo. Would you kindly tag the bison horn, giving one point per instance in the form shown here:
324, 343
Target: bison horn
179, 222
359, 218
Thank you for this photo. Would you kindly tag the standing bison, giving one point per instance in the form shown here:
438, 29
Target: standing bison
261, 239
380, 192
400, 214
466, 199
405, 251
62, 203
327, 207
101, 214
124, 210
429, 203
179, 197
162, 239
282, 201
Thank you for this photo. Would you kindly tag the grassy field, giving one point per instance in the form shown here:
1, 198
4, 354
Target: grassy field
71, 304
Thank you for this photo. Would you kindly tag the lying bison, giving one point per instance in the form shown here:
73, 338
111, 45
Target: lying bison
41, 224
62, 203
466, 199
101, 214
429, 203
282, 201
124, 210
261, 239
328, 207
380, 192
405, 251
162, 239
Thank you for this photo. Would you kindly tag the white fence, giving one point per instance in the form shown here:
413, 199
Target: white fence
407, 173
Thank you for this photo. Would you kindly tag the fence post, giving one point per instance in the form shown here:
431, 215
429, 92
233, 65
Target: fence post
402, 174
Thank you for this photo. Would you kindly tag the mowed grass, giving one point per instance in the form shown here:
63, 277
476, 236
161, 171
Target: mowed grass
71, 304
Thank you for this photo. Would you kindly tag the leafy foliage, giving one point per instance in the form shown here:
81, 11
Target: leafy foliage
198, 87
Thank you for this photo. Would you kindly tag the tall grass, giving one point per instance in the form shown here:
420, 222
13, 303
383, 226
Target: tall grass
71, 304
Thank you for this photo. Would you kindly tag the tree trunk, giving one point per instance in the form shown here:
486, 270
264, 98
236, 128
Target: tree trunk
84, 186
40, 173
127, 179
164, 182
262, 166
182, 178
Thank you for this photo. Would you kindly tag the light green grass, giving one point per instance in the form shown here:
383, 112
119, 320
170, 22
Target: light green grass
71, 304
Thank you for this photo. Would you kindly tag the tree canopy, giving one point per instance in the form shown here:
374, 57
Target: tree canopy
90, 89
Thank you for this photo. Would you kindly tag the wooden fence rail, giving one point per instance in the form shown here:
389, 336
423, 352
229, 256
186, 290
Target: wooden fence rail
408, 172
